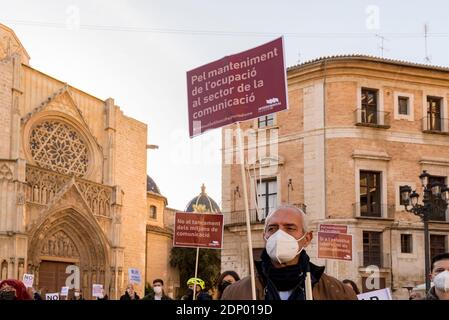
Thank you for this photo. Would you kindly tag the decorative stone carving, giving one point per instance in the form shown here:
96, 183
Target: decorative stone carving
57, 146
59, 245
43, 186
98, 197
63, 103
8, 46
44, 104
5, 172
20, 199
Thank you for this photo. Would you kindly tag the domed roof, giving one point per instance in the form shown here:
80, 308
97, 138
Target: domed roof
152, 186
202, 203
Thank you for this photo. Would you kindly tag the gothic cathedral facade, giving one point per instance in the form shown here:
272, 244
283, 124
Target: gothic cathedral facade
72, 180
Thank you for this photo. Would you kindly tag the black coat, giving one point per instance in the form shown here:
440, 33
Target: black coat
37, 296
150, 296
127, 297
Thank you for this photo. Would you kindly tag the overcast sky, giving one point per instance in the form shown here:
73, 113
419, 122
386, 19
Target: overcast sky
138, 52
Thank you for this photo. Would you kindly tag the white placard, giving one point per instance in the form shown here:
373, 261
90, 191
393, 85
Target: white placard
52, 296
28, 280
97, 290
382, 294
134, 275
64, 291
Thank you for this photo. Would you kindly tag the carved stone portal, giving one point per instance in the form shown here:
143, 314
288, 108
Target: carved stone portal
59, 245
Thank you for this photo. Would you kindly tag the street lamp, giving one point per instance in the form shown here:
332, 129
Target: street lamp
435, 198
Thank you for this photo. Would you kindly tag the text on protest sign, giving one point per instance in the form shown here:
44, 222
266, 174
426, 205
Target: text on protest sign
238, 87
334, 246
198, 230
334, 228
28, 280
134, 275
64, 291
52, 296
97, 290
382, 294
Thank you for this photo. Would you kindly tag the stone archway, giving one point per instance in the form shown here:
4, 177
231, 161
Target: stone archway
68, 237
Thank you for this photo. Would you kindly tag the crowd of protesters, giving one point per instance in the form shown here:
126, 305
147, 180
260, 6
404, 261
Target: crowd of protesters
280, 273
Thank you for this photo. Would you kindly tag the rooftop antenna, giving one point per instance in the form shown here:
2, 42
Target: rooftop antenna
299, 56
426, 33
382, 47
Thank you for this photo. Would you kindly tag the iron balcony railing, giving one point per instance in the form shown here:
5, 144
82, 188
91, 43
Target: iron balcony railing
372, 118
238, 217
377, 259
435, 124
379, 210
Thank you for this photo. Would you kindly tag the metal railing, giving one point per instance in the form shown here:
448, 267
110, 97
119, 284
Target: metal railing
433, 124
238, 217
380, 210
380, 260
372, 118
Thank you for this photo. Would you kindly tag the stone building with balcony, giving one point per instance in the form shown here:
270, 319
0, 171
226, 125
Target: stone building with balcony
357, 129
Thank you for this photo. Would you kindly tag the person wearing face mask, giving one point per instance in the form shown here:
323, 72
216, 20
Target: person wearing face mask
103, 295
158, 291
12, 289
280, 274
440, 278
77, 295
224, 280
199, 286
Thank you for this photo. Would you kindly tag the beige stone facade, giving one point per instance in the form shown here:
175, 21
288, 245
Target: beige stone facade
326, 142
159, 242
72, 185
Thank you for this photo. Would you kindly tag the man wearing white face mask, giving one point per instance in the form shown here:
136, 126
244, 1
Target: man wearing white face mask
158, 291
284, 264
440, 278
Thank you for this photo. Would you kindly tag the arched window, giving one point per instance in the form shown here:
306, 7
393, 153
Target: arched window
153, 212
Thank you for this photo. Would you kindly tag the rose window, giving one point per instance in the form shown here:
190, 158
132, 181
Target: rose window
59, 147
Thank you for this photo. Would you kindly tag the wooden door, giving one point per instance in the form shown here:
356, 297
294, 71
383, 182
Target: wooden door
52, 275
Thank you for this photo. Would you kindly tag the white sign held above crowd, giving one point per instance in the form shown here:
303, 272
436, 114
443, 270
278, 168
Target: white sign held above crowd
134, 276
52, 296
64, 291
97, 290
28, 280
382, 294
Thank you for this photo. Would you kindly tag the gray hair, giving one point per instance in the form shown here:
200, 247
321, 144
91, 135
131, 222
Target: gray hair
300, 211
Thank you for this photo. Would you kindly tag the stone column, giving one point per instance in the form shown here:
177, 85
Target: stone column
110, 127
15, 112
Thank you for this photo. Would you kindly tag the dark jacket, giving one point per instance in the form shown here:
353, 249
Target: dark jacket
201, 296
324, 287
150, 296
127, 297
204, 296
37, 296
